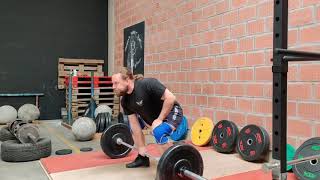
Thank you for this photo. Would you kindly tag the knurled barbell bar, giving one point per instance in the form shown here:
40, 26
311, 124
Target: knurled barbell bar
180, 161
272, 165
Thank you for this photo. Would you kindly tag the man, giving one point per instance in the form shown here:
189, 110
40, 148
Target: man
150, 100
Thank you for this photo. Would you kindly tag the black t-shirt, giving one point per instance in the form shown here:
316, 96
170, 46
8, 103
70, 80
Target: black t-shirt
145, 99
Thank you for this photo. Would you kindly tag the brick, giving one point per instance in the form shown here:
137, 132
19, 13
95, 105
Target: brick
185, 65
299, 128
203, 51
246, 44
256, 119
292, 72
255, 58
294, 4
244, 105
213, 102
262, 106
229, 75
196, 15
238, 30
263, 73
228, 103
317, 91
245, 74
195, 111
310, 72
195, 88
207, 37
237, 60
221, 61
209, 11
292, 108
318, 14
265, 9
264, 41
208, 112
185, 42
267, 90
222, 33
230, 18
220, 115
310, 34
222, 89
207, 89
191, 100
191, 52
237, 118
201, 63
203, 26
230, 46
317, 130
181, 76
309, 110
196, 39
201, 101
238, 3
201, 2
237, 90
256, 26
215, 21
292, 37
215, 49
255, 90
310, 2
298, 91
247, 13
215, 75
300, 17
222, 6
198, 76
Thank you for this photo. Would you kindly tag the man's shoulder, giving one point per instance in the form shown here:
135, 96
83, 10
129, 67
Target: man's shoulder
145, 81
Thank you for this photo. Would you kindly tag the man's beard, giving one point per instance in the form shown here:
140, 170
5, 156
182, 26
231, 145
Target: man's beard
121, 93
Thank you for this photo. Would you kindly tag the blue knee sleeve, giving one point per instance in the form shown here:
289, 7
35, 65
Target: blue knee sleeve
162, 132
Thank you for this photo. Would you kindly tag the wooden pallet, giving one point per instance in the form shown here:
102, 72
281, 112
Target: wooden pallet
84, 67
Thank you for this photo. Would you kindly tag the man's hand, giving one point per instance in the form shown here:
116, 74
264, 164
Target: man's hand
156, 123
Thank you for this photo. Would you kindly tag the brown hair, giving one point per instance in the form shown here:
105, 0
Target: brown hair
126, 73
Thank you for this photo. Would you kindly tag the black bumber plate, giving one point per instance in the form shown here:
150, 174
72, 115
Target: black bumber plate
224, 136
108, 140
253, 143
309, 169
178, 156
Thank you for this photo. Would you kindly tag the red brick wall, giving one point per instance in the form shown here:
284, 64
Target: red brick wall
215, 57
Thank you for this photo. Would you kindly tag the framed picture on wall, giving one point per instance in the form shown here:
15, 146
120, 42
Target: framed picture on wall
134, 48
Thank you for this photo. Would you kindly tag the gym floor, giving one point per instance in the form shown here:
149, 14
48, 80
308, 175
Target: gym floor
215, 164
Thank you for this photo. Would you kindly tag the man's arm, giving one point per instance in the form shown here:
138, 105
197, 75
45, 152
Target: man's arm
169, 100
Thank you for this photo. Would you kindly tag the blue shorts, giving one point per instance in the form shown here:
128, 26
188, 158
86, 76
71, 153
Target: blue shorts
165, 129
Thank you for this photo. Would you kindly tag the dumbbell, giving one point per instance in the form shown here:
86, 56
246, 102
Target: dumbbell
180, 161
24, 131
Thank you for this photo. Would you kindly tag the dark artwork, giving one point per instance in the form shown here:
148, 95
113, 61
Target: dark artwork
134, 48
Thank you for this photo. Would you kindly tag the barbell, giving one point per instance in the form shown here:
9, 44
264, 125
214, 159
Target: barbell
180, 161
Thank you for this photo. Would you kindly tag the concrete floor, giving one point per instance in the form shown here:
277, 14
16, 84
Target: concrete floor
61, 138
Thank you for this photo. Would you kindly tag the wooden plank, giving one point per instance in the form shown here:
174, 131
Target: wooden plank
85, 73
85, 61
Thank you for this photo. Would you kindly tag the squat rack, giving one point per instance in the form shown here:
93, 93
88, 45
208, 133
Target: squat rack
281, 57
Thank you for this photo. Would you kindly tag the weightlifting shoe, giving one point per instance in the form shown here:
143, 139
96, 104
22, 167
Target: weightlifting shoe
140, 161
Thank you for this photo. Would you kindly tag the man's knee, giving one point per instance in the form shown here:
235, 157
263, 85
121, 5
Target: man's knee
162, 132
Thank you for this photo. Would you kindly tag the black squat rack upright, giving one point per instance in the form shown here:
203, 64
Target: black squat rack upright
281, 57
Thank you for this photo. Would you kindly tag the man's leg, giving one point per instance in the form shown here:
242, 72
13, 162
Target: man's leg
164, 130
139, 141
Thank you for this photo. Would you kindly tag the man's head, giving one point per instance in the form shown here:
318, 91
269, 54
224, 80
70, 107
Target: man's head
121, 81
